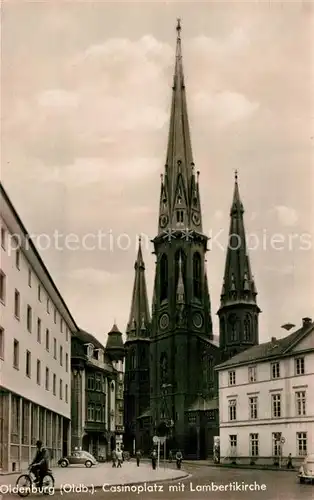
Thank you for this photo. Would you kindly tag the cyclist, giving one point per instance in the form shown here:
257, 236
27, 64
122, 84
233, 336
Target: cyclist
40, 464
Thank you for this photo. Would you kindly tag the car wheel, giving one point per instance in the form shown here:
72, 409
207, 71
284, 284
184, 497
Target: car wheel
88, 464
63, 463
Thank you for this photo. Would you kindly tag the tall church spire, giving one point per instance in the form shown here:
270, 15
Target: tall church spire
139, 320
238, 308
179, 200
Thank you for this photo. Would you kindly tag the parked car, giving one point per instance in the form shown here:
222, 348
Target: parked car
306, 472
78, 458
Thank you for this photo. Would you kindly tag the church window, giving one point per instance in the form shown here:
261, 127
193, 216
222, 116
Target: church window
180, 217
179, 254
132, 360
233, 321
247, 327
197, 275
163, 277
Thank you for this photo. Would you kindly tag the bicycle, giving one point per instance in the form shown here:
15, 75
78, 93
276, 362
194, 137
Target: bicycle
27, 483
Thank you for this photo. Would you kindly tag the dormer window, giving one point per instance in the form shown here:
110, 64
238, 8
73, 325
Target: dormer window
90, 350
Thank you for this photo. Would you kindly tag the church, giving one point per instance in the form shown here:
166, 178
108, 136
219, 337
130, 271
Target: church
171, 387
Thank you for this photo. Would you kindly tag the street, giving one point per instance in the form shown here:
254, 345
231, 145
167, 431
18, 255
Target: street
205, 482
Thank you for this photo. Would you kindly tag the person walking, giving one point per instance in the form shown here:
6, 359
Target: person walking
114, 458
119, 458
138, 457
289, 463
154, 459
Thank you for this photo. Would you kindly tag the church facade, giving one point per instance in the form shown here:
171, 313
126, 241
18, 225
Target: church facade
171, 387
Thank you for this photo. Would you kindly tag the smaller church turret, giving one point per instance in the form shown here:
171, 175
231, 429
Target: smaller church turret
114, 345
238, 312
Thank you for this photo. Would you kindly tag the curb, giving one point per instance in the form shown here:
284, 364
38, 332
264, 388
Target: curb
243, 467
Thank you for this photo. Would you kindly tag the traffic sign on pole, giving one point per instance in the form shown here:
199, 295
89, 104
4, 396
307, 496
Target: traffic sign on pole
155, 439
283, 440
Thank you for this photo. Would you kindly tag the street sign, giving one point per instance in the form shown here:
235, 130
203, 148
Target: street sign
155, 439
282, 440
162, 439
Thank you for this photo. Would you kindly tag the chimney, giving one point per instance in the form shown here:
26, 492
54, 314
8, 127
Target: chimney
306, 321
273, 339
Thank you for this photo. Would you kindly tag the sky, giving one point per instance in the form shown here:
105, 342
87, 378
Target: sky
86, 91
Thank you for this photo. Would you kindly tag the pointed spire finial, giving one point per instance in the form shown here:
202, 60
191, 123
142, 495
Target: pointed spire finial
236, 176
178, 28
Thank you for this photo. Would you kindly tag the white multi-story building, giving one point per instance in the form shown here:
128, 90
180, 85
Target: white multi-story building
266, 404
35, 350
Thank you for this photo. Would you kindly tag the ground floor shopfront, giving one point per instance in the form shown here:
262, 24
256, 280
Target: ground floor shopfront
22, 423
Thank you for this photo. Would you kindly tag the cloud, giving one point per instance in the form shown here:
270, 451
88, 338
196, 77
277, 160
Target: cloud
286, 216
225, 108
282, 270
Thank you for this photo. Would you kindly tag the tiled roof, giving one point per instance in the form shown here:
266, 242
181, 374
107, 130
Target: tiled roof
273, 349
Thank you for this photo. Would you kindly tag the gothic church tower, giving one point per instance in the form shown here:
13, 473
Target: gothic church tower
136, 382
238, 312
181, 345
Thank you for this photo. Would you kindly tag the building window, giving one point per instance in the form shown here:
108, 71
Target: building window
1, 343
276, 444
17, 304
55, 348
55, 316
28, 364
300, 399
67, 334
47, 379
48, 305
252, 374
98, 413
275, 370
98, 383
29, 277
91, 383
302, 443
39, 330
232, 409
66, 362
47, 340
2, 286
254, 445
17, 259
29, 319
276, 405
163, 277
38, 374
232, 378
3, 238
16, 354
233, 444
253, 407
197, 275
66, 393
90, 412
61, 389
61, 325
39, 293
54, 384
299, 366
61, 355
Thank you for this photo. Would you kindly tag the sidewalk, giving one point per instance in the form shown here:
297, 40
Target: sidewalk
210, 463
79, 476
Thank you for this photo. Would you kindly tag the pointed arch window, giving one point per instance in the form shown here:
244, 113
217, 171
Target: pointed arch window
177, 256
132, 359
247, 328
180, 217
163, 368
233, 323
197, 265
163, 277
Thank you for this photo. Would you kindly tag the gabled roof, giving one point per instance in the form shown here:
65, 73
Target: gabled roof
276, 348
